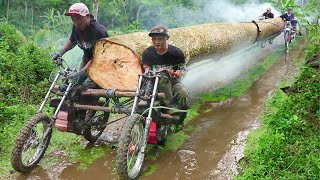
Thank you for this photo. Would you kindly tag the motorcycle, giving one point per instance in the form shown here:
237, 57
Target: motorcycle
289, 35
69, 116
149, 122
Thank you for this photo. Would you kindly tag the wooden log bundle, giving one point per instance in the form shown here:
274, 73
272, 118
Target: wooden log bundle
117, 60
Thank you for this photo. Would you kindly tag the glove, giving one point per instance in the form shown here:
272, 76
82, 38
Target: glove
55, 57
78, 77
63, 87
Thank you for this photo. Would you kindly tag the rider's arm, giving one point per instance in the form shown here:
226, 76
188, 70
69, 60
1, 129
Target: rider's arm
67, 46
283, 16
86, 66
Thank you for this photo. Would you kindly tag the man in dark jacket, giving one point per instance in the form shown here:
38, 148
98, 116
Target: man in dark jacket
290, 16
268, 14
162, 54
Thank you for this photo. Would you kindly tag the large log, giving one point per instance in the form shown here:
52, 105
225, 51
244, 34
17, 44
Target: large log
117, 60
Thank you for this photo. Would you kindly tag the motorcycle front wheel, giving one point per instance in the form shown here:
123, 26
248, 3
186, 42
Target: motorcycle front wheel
129, 156
31, 143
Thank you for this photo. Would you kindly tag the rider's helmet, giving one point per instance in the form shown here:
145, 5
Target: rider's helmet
159, 30
269, 9
77, 8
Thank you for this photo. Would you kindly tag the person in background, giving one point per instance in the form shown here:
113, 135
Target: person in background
268, 14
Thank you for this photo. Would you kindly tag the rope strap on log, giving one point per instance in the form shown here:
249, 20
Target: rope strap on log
258, 30
111, 93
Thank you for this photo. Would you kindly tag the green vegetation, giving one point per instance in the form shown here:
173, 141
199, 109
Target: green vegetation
287, 144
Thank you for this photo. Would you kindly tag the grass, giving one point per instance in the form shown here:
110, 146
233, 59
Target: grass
287, 144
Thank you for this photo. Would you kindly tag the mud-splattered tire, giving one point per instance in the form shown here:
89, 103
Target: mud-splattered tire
27, 139
133, 126
94, 132
286, 41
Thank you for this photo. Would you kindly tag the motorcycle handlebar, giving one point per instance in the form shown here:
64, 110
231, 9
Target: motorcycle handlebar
156, 73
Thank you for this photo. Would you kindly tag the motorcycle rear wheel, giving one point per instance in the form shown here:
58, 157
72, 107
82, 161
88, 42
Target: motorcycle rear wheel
93, 132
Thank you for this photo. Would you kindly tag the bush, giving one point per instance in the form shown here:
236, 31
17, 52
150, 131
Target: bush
23, 68
287, 145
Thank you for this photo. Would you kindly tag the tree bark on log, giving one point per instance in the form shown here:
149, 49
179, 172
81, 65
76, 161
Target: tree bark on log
117, 60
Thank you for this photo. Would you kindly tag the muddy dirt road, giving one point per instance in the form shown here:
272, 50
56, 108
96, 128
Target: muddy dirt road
212, 149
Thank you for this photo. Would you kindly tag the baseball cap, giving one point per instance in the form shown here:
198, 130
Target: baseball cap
159, 30
77, 8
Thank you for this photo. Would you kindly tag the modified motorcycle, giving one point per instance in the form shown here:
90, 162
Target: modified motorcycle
72, 113
149, 123
289, 35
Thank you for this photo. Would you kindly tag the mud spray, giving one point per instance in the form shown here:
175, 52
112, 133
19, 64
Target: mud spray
213, 73
221, 11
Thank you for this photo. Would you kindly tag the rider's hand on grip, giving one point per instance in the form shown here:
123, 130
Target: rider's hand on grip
56, 57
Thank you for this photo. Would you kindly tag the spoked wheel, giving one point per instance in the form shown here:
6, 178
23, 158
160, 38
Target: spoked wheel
286, 41
129, 156
97, 125
31, 143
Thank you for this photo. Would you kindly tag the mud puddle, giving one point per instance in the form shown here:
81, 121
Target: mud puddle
211, 152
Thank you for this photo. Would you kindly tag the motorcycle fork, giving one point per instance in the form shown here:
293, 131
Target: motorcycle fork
149, 119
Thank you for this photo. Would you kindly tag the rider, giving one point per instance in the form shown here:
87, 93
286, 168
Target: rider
268, 14
290, 16
85, 32
162, 54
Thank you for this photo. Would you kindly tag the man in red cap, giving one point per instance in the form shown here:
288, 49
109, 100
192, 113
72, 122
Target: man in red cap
162, 54
85, 32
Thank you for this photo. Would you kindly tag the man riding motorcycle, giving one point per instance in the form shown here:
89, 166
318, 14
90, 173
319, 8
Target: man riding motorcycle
290, 16
85, 32
162, 54
267, 15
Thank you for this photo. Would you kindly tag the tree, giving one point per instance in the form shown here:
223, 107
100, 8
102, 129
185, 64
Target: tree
7, 17
95, 9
